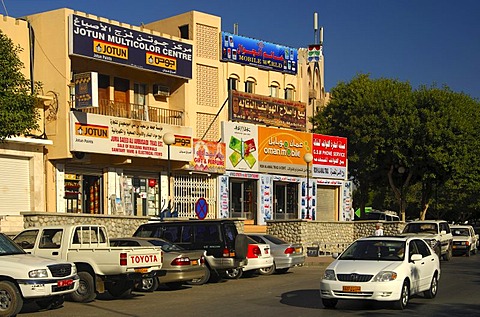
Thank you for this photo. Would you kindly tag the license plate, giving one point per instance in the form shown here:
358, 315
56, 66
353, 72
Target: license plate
352, 289
64, 283
142, 270
194, 262
454, 246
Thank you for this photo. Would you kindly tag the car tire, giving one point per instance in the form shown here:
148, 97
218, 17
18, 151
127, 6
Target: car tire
201, 281
149, 284
234, 274
432, 291
281, 271
10, 299
329, 302
402, 302
86, 289
267, 270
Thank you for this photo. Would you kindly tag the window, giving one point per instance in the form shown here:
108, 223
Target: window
232, 83
250, 86
26, 239
140, 94
51, 239
184, 31
274, 89
87, 235
422, 248
289, 93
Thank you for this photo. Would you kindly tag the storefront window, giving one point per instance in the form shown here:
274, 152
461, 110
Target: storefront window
83, 194
285, 200
243, 199
140, 196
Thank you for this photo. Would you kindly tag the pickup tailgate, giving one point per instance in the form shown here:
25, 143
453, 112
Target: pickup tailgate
146, 259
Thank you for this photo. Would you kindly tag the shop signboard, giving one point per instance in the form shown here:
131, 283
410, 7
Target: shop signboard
92, 133
281, 151
277, 112
241, 146
208, 156
86, 90
257, 53
329, 156
224, 199
112, 43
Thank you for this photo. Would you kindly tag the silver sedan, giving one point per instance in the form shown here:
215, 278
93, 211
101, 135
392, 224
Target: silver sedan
285, 254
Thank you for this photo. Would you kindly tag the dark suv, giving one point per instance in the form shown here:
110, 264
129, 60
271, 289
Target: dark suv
225, 248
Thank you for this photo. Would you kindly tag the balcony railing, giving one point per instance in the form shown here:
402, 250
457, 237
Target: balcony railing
137, 112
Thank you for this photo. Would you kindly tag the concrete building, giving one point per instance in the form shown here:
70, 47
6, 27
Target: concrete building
236, 107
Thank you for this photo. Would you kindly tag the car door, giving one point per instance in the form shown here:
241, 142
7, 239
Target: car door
426, 266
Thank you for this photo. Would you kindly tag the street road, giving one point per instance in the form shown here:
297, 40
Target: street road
293, 294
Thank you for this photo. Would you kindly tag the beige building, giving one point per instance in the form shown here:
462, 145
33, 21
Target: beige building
230, 102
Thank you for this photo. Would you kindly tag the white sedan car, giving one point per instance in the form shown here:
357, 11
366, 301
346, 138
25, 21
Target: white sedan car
382, 269
258, 257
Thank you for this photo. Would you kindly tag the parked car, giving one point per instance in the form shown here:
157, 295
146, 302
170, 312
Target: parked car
465, 240
436, 232
225, 248
382, 269
258, 257
285, 254
180, 266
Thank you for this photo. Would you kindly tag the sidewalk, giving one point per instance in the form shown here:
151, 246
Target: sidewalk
323, 260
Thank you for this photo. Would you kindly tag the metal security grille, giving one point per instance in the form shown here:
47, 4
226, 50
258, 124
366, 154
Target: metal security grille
188, 189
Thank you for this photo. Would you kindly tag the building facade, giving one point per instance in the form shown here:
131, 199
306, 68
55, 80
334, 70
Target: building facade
237, 109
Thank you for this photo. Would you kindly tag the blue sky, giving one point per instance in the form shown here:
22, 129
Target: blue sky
429, 42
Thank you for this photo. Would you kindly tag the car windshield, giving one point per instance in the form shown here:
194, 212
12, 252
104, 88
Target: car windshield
421, 228
275, 240
460, 232
8, 247
380, 250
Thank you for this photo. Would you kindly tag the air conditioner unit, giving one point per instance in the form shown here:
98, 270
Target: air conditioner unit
159, 90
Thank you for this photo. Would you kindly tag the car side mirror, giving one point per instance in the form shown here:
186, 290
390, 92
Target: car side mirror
416, 257
443, 232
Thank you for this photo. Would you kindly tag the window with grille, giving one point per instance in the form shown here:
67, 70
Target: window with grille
188, 189
274, 88
289, 93
250, 86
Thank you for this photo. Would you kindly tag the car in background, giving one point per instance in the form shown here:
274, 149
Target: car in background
436, 232
383, 268
179, 267
285, 255
258, 256
465, 240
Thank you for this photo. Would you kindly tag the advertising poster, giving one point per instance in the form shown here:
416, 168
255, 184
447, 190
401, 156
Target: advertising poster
115, 44
266, 203
223, 201
329, 156
208, 156
241, 146
94, 133
282, 151
261, 54
86, 90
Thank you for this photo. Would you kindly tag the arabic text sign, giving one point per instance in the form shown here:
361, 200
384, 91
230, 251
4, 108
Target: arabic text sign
261, 54
329, 156
251, 108
118, 136
116, 44
281, 151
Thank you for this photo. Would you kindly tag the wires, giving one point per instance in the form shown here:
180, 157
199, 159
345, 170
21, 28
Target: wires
5, 8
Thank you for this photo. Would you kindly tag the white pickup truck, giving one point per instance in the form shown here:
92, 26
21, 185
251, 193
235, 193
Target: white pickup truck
26, 278
100, 267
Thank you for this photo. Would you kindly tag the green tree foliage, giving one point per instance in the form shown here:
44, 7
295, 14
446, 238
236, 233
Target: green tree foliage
17, 103
413, 142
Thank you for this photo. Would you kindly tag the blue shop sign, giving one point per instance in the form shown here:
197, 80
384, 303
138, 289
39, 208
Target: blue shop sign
261, 54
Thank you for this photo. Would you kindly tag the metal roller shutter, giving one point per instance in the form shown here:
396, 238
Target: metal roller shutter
326, 203
14, 185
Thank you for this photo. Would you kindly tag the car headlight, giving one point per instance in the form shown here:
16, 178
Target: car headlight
385, 276
74, 269
38, 273
329, 275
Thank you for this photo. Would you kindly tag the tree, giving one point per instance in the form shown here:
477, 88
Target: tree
17, 102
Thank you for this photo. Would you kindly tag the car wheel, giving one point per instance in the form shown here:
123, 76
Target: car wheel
282, 271
149, 284
50, 303
329, 302
234, 273
404, 297
11, 302
432, 291
86, 289
267, 270
201, 281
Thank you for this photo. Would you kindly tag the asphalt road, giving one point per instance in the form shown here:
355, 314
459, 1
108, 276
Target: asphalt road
293, 294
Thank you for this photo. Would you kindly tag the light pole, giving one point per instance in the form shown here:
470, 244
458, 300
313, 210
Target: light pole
401, 170
168, 139
308, 158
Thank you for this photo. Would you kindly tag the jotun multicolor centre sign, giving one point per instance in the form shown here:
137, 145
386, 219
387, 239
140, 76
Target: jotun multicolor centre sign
112, 43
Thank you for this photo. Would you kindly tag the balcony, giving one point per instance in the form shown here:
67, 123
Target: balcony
137, 112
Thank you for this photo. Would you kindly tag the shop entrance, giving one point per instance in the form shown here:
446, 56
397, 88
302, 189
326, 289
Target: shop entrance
243, 199
285, 202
